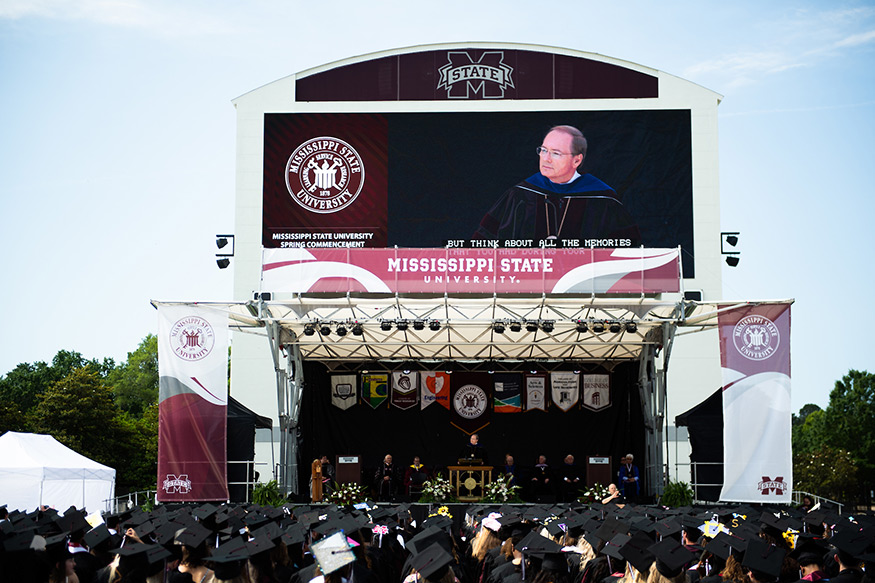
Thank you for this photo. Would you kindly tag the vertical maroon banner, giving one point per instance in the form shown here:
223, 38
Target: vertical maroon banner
470, 400
192, 404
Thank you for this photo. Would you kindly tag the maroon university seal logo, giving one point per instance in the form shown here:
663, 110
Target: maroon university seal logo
192, 338
325, 175
756, 337
470, 402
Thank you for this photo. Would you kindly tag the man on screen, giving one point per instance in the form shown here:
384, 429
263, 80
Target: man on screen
560, 203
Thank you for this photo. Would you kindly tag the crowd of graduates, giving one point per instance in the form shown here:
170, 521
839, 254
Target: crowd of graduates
386, 543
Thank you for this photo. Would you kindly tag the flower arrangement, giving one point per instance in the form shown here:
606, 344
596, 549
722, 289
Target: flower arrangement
595, 493
438, 489
347, 494
500, 491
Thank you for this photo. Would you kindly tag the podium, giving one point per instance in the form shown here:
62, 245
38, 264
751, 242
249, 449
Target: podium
469, 482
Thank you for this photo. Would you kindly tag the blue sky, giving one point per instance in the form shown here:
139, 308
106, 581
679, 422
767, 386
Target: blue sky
118, 137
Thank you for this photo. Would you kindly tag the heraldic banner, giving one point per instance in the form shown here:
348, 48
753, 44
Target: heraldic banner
470, 400
192, 404
755, 355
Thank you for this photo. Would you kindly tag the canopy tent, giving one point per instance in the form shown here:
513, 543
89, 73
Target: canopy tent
460, 332
38, 470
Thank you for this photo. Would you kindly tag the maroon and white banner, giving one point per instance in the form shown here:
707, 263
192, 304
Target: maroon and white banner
470, 400
755, 355
556, 271
192, 404
405, 389
596, 391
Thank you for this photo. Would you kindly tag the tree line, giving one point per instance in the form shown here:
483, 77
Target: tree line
834, 448
103, 410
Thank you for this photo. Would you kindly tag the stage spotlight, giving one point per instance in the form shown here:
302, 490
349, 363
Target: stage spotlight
732, 240
418, 324
732, 260
385, 325
598, 327
401, 325
581, 326
324, 330
531, 326
341, 330
515, 326
547, 326
221, 242
631, 327
223, 262
434, 325
498, 328
309, 330
357, 329
615, 327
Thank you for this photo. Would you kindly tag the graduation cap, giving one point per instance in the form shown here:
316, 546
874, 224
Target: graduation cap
332, 553
204, 511
851, 541
261, 544
428, 537
21, 541
763, 557
439, 521
295, 534
228, 559
725, 544
667, 527
97, 535
193, 535
73, 521
636, 552
671, 557
613, 546
555, 561
432, 563
610, 527
534, 543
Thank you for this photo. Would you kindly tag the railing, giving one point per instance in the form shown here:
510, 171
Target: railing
141, 497
798, 495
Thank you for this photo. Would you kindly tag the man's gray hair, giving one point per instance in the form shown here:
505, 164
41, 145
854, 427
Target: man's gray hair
578, 142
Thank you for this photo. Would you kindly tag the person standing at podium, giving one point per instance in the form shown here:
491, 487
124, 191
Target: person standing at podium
474, 450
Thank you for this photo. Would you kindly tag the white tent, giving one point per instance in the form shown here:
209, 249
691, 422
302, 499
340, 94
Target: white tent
37, 469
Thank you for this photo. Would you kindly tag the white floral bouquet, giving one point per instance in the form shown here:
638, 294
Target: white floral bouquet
438, 489
500, 491
347, 494
595, 493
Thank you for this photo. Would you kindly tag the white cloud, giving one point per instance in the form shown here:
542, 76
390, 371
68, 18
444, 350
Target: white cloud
803, 39
159, 17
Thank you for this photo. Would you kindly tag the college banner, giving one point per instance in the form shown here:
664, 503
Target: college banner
596, 391
343, 393
507, 397
192, 404
565, 389
452, 270
375, 388
755, 356
536, 392
470, 397
435, 388
405, 389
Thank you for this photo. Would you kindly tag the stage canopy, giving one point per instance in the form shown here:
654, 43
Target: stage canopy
344, 331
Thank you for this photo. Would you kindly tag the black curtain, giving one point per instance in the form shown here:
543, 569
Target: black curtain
372, 433
705, 424
241, 446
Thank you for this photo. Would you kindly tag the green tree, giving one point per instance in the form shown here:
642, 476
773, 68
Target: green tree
827, 472
850, 419
804, 412
24, 384
78, 411
135, 382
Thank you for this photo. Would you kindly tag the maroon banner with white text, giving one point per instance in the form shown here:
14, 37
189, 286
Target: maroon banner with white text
192, 404
557, 271
755, 355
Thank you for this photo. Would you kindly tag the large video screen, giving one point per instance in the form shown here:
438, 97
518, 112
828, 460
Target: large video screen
477, 180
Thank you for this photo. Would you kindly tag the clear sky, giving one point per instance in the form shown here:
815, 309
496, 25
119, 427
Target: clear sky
117, 145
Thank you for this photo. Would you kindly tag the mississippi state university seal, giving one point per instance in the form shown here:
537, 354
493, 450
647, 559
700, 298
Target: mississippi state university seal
192, 338
325, 175
470, 402
756, 337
